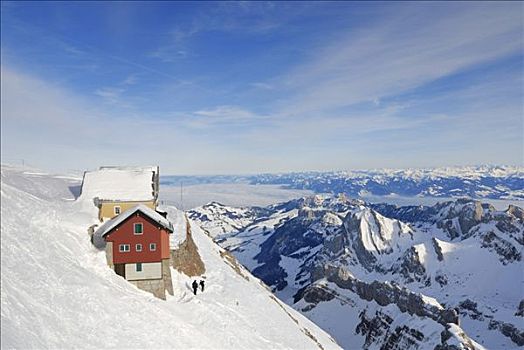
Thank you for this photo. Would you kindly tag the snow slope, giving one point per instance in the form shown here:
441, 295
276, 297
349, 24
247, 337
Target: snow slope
57, 292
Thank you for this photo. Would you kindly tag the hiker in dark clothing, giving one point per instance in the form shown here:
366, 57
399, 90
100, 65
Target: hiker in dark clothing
202, 285
195, 286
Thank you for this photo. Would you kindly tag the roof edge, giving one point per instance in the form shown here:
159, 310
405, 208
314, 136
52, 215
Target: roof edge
128, 213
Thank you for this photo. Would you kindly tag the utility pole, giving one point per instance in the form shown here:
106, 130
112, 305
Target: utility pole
181, 196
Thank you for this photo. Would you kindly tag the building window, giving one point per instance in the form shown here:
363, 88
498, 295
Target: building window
138, 267
124, 248
152, 247
138, 247
117, 210
139, 228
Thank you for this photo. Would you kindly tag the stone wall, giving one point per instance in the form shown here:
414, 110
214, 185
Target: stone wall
166, 276
157, 287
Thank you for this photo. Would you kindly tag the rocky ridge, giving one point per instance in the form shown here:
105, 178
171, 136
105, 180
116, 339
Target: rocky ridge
391, 257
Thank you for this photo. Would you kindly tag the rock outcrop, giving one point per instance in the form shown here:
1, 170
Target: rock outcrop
411, 267
385, 293
186, 258
377, 329
509, 330
453, 338
520, 310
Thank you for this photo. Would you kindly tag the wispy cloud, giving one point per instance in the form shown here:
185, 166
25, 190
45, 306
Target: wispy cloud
176, 48
115, 95
73, 50
226, 113
413, 46
110, 94
52, 127
415, 84
130, 80
263, 86
222, 116
255, 18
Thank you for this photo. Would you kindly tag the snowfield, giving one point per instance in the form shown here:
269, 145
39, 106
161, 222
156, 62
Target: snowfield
58, 292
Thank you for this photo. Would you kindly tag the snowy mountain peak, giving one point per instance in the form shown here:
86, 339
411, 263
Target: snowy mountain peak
398, 277
375, 231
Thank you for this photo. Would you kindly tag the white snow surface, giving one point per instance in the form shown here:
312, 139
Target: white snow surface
125, 184
57, 291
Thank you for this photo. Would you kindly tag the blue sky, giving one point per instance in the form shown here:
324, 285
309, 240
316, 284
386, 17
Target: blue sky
245, 87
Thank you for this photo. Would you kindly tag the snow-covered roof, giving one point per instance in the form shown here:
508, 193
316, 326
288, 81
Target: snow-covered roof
153, 215
121, 183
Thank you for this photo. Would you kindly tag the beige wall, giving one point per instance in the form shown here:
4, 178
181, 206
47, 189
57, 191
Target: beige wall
107, 209
109, 254
149, 271
157, 287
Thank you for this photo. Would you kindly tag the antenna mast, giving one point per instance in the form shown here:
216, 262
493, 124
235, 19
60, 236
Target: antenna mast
181, 196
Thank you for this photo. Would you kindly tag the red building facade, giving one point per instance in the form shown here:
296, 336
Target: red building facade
139, 239
137, 248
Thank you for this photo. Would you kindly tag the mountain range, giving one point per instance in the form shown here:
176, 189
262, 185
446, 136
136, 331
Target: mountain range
495, 182
480, 182
447, 276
